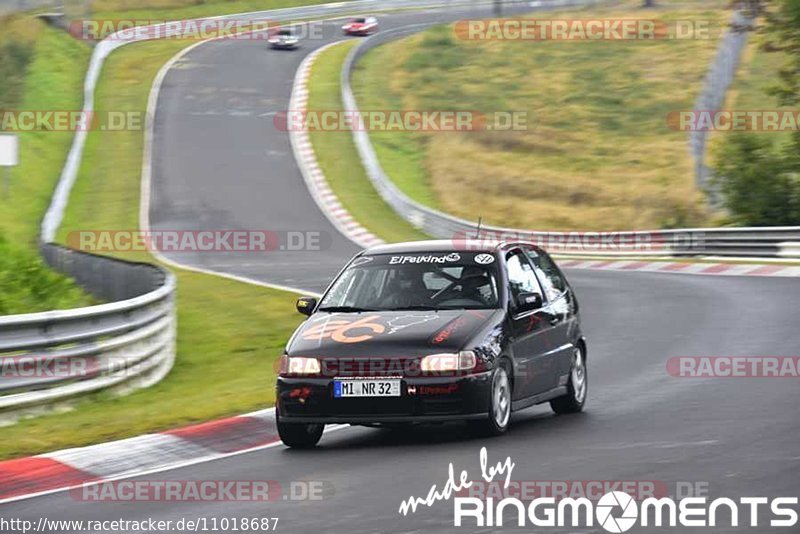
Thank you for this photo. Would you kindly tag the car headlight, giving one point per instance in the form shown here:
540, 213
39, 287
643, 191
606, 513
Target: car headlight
299, 365
438, 363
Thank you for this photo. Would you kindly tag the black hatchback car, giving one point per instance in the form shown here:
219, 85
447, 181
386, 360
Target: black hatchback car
433, 331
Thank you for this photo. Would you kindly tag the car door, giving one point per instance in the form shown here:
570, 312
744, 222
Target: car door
561, 311
532, 341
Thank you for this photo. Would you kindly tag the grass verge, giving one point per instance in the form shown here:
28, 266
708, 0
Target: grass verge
40, 69
229, 333
27, 285
337, 156
758, 72
597, 153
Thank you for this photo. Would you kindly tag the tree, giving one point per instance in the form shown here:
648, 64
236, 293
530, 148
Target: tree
783, 34
760, 183
759, 180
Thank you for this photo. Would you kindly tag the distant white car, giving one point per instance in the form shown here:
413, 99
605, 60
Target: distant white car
283, 38
361, 26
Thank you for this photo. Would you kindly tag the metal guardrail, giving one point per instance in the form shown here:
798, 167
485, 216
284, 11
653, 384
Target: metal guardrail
717, 81
53, 356
769, 242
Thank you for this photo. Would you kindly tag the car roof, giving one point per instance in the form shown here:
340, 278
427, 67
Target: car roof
442, 245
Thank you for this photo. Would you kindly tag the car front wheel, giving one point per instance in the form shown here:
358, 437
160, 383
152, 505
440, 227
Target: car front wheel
299, 435
499, 411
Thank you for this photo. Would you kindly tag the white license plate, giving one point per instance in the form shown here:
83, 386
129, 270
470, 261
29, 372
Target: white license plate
366, 388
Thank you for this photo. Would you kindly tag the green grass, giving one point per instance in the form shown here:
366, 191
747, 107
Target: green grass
27, 285
403, 156
338, 159
40, 69
225, 364
758, 72
17, 39
597, 154
53, 81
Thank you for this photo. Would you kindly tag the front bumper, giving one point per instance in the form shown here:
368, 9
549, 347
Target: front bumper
430, 399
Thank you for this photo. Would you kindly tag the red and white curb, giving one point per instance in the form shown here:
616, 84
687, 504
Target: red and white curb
720, 269
35, 476
322, 193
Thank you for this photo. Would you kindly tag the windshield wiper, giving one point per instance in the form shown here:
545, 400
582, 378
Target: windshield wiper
344, 309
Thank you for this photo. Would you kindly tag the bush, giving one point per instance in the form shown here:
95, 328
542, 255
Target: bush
27, 285
16, 53
759, 182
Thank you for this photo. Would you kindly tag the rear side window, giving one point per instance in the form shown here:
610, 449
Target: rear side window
551, 278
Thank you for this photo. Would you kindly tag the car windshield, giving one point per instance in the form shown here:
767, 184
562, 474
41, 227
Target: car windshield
359, 21
415, 281
286, 33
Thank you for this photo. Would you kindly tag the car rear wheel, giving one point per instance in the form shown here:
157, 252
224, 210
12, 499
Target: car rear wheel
499, 412
575, 399
299, 435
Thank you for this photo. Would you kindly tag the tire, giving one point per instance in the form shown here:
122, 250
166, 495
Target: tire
299, 435
499, 410
577, 388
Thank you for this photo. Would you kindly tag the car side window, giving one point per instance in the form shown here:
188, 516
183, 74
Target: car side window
521, 277
551, 278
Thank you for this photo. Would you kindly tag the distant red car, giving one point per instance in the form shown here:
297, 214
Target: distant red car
361, 26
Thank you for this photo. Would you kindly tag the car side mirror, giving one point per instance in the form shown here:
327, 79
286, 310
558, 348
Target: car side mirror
306, 305
528, 302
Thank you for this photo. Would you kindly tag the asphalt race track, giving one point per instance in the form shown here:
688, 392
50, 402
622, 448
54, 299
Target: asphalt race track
738, 435
220, 165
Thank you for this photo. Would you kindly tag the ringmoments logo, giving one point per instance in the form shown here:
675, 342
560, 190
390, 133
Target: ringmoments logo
605, 511
615, 511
